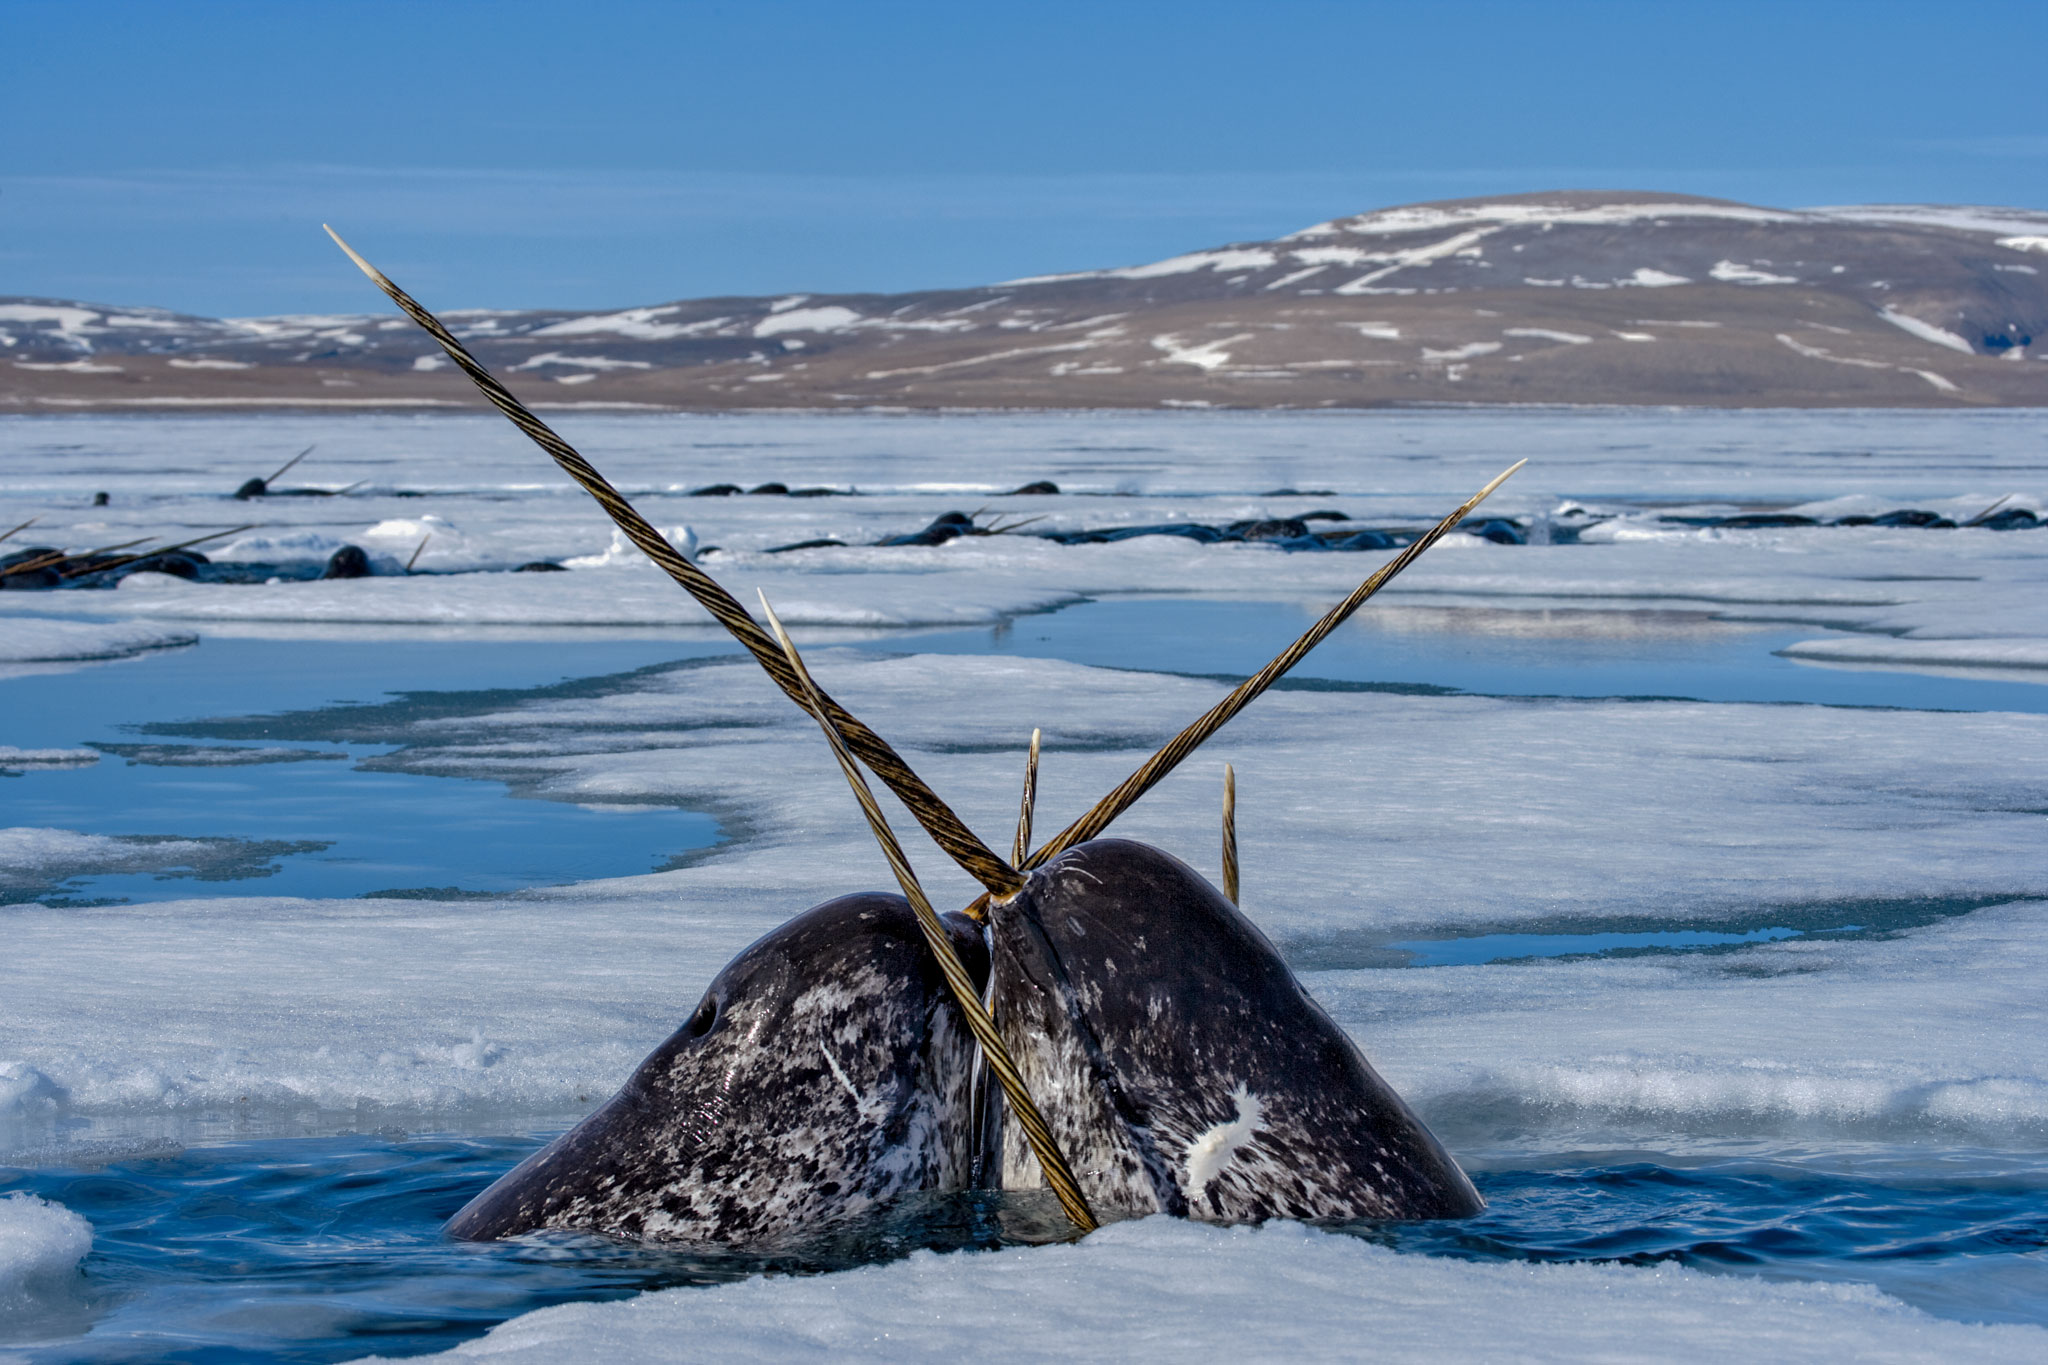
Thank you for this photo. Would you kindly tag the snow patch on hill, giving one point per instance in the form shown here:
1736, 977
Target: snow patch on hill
1926, 331
1985, 219
1226, 259
1426, 217
639, 323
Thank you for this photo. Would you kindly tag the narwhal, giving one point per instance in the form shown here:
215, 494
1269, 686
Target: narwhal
1152, 1050
826, 1073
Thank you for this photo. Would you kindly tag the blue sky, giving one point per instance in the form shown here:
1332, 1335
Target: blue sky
588, 154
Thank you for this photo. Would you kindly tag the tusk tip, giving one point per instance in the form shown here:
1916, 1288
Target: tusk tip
1483, 494
1506, 474
372, 271
774, 621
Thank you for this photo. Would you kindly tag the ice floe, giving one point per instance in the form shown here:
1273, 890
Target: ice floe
33, 860
1882, 649
16, 759
1160, 1290
41, 1245
27, 639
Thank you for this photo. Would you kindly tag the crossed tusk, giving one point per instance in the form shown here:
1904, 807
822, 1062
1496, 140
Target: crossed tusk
1050, 1159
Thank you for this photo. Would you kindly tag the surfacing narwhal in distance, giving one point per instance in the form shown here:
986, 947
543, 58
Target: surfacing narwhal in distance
1153, 1051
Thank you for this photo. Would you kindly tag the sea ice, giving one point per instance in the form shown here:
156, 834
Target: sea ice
512, 508
1366, 818
1906, 842
1172, 1291
27, 639
44, 1294
15, 759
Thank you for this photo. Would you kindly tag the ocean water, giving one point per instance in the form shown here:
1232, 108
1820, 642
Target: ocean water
324, 1249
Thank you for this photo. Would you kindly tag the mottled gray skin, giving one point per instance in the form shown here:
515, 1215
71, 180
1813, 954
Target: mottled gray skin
826, 1072
1183, 1068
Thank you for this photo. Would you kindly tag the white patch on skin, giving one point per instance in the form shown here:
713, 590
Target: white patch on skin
1210, 1152
833, 1062
1080, 871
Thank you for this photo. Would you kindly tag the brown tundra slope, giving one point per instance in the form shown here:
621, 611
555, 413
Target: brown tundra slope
1567, 297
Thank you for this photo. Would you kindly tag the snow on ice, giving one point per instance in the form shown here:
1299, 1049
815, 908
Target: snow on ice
27, 639
1160, 1290
41, 1245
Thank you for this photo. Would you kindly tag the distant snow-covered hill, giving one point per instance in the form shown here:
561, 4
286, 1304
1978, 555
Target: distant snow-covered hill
1568, 297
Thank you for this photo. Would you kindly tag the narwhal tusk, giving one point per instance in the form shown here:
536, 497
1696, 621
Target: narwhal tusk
1985, 515
1050, 1160
1022, 848
1230, 833
1187, 741
154, 551
947, 830
288, 466
56, 557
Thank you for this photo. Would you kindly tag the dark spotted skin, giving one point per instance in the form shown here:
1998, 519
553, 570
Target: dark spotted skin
826, 1072
1183, 1068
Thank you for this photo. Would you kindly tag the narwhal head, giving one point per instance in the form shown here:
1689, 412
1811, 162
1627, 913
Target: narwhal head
1181, 1064
825, 1072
